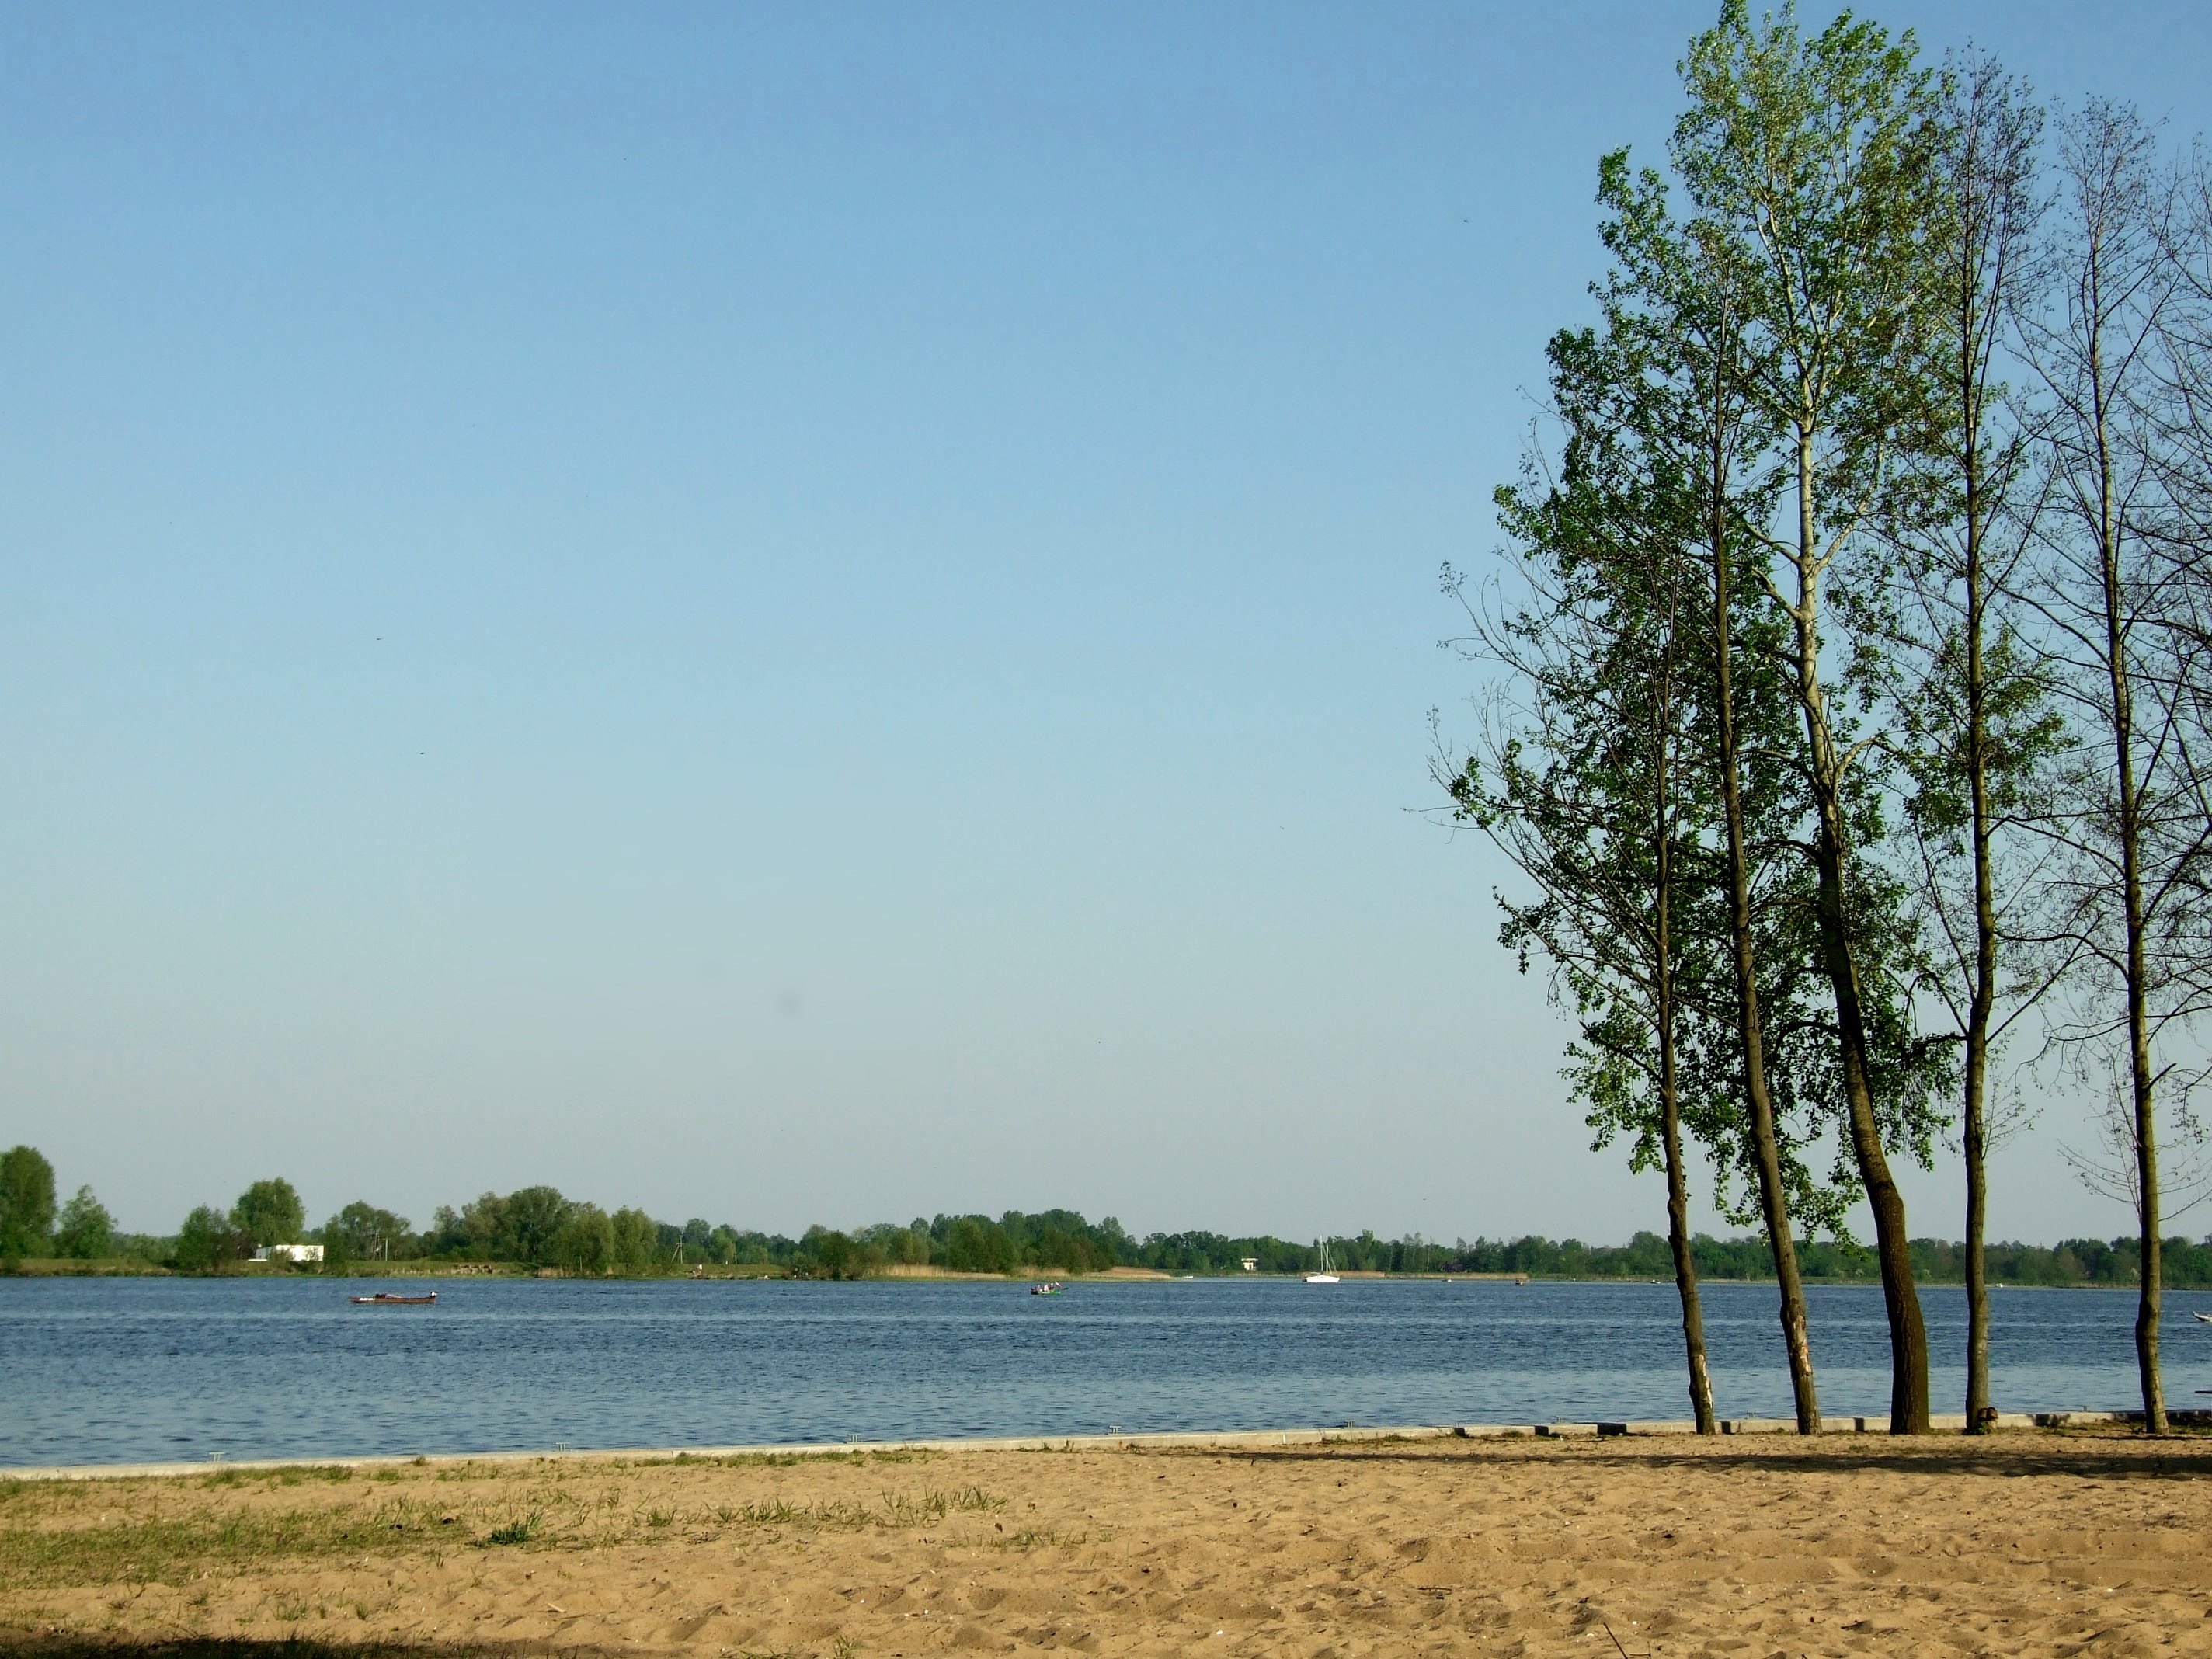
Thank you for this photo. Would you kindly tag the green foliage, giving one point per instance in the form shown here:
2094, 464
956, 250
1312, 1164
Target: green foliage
586, 1242
362, 1232
514, 1532
87, 1231
209, 1241
636, 1242
976, 1244
27, 1202
270, 1213
827, 1254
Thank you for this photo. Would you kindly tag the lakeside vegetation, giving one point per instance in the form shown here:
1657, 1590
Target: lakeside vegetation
540, 1230
1845, 701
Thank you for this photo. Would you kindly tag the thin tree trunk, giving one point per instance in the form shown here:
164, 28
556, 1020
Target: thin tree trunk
1670, 1123
2141, 1077
1908, 1335
1773, 1200
1974, 1134
1686, 1272
2151, 1276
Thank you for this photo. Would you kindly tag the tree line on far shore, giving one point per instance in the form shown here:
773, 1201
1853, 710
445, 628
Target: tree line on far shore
1849, 708
537, 1227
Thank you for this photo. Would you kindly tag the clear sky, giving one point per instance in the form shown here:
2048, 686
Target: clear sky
797, 613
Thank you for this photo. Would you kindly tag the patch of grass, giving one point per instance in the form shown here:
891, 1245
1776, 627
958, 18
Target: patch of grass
165, 1551
482, 1472
68, 1539
1034, 1537
786, 1460
900, 1511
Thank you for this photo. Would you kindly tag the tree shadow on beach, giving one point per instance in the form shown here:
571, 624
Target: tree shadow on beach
33, 1645
2181, 1457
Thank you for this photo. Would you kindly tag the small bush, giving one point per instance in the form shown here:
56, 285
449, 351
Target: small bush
514, 1532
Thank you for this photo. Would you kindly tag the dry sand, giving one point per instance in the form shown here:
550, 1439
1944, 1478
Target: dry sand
2031, 1543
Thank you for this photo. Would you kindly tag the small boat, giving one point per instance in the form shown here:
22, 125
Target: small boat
1051, 1287
388, 1299
2202, 1319
1324, 1277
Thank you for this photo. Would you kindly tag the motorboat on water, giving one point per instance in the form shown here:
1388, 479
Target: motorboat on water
1050, 1287
391, 1299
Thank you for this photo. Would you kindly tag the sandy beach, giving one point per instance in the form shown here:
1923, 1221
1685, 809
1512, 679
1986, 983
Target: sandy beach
2025, 1543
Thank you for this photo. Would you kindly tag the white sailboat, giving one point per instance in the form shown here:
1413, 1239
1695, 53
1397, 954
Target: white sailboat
1324, 1277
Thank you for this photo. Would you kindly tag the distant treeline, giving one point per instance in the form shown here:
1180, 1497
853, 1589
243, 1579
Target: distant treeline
539, 1227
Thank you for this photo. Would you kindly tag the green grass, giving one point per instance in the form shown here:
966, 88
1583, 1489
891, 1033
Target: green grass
69, 1540
514, 1532
783, 1459
173, 1551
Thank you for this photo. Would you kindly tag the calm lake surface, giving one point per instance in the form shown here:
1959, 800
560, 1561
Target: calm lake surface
138, 1370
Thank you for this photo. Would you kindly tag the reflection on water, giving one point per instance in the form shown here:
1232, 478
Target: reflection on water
123, 1370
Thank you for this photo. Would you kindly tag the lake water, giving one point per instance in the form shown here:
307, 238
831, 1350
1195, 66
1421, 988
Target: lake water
134, 1369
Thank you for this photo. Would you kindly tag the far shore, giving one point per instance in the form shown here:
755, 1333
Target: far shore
128, 1268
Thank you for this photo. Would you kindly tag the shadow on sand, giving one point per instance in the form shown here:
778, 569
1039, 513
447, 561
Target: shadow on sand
2171, 1457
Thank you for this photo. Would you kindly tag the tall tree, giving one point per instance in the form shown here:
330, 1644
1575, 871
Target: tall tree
270, 1213
2114, 592
2184, 532
1602, 777
1582, 781
85, 1229
27, 1202
1814, 156
361, 1230
1678, 289
1981, 722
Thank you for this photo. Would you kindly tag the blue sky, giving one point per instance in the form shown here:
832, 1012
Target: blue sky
801, 613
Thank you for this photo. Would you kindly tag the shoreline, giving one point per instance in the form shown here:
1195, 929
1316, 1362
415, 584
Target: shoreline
41, 1267
1941, 1424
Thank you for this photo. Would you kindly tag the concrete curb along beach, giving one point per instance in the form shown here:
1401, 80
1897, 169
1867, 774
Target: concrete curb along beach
1225, 1440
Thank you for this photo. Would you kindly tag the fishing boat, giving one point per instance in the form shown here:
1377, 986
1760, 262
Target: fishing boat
1051, 1287
389, 1299
1324, 1277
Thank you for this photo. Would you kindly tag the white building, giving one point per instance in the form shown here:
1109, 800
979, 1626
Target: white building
288, 1253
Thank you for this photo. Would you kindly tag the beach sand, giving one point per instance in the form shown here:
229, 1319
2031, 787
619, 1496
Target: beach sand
2024, 1543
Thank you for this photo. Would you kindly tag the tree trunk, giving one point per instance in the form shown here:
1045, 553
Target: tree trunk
1686, 1272
1670, 1120
1773, 1200
2149, 1280
1975, 1139
2141, 1077
1974, 1129
1908, 1335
